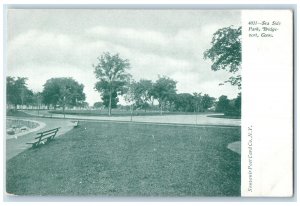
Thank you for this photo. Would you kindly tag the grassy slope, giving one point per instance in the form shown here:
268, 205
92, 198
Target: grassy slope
17, 113
130, 160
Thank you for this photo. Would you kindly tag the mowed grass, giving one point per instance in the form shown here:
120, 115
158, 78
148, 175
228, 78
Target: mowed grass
17, 113
126, 159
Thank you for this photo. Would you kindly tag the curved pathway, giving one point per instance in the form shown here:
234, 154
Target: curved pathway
199, 119
16, 145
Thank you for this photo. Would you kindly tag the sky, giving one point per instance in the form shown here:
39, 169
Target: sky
44, 43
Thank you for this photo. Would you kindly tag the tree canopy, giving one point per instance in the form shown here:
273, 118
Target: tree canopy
143, 90
18, 92
111, 71
222, 104
63, 92
164, 90
98, 105
207, 101
184, 102
229, 107
225, 52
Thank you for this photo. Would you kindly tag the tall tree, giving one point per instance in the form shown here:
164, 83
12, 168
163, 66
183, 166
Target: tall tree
111, 71
238, 104
207, 101
235, 106
27, 97
225, 53
130, 96
197, 102
38, 98
63, 92
184, 102
17, 91
143, 90
164, 90
223, 104
109, 97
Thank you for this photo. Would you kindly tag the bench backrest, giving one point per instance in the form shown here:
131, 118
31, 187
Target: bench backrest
51, 132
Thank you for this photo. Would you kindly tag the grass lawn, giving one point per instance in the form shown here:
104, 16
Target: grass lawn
17, 113
225, 116
126, 159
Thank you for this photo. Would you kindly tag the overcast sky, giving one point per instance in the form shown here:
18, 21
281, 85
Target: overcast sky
66, 43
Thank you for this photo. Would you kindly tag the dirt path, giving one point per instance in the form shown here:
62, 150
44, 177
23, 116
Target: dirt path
15, 146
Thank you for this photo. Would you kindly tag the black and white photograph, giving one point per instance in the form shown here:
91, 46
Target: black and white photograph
123, 102
148, 103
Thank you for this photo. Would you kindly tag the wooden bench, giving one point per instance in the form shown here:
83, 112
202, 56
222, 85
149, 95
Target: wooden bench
44, 137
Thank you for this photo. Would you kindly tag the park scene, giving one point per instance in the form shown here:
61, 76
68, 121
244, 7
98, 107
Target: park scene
123, 103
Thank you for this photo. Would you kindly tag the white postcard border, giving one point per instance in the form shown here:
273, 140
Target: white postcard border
267, 103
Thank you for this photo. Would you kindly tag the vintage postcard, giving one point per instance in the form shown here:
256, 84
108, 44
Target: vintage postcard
149, 103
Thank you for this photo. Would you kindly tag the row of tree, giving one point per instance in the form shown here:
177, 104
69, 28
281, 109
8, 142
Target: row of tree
142, 95
114, 79
56, 92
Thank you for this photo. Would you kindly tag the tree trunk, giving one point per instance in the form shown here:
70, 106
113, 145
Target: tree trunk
131, 112
161, 108
64, 111
109, 106
170, 106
